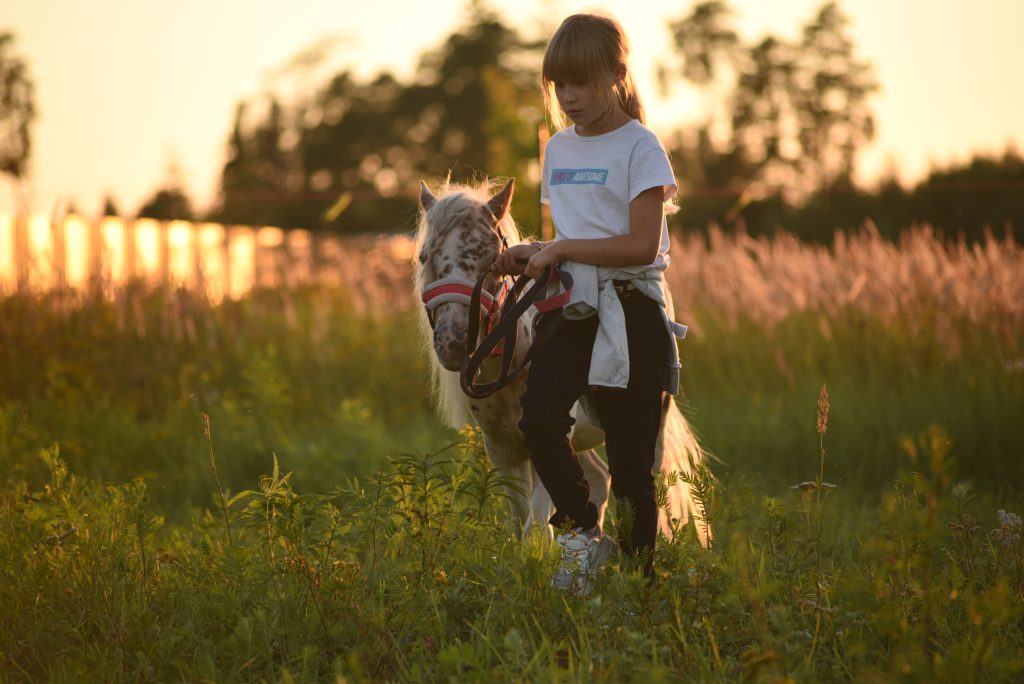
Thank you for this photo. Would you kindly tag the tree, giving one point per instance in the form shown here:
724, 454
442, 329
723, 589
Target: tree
109, 206
797, 113
830, 95
472, 109
170, 202
704, 40
260, 174
983, 193
17, 110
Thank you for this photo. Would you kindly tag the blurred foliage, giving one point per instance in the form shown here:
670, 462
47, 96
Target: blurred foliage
110, 206
122, 384
17, 109
167, 204
984, 195
792, 115
472, 110
782, 126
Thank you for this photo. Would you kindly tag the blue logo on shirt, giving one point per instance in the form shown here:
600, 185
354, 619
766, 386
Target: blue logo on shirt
579, 176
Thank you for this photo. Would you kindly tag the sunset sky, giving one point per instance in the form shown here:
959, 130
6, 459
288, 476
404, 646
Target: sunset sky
124, 88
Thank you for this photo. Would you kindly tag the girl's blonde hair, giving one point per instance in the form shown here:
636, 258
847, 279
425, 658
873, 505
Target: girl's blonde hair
593, 49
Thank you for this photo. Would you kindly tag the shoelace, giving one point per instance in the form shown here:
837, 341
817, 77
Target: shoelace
575, 559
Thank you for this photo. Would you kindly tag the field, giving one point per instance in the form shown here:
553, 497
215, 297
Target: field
258, 489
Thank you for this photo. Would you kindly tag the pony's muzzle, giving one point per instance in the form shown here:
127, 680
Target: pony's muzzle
449, 343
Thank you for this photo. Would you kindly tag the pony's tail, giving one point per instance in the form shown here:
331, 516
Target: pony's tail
681, 454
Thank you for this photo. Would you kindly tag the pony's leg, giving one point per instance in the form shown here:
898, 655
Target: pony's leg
533, 506
541, 507
498, 418
521, 496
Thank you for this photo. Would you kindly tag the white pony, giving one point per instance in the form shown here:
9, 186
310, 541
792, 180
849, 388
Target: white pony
459, 235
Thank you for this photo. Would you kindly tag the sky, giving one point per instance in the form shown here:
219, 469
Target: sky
126, 89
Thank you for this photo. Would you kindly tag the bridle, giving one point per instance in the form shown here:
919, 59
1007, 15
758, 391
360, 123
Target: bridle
463, 291
500, 328
506, 331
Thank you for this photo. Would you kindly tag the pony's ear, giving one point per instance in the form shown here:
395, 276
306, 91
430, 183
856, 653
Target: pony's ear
499, 204
426, 199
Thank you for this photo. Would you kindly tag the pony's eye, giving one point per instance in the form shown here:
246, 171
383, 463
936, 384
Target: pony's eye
423, 257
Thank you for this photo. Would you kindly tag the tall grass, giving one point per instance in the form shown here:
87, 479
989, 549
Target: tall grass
414, 576
123, 384
909, 336
257, 489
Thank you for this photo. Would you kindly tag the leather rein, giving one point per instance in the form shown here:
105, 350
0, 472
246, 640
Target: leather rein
506, 331
501, 325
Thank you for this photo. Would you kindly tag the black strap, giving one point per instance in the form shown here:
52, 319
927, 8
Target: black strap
506, 331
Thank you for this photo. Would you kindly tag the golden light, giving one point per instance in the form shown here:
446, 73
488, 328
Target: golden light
402, 248
212, 259
114, 240
76, 251
268, 240
147, 249
181, 260
270, 237
241, 260
300, 255
8, 279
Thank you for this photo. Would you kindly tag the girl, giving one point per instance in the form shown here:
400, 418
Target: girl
606, 179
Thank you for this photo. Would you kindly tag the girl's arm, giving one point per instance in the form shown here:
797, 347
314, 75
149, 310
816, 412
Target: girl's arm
637, 248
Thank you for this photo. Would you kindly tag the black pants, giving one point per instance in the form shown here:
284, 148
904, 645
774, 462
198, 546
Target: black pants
631, 419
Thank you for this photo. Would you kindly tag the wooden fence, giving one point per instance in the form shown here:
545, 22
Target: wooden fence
39, 255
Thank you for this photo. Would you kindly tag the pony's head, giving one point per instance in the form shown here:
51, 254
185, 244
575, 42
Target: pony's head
460, 232
459, 236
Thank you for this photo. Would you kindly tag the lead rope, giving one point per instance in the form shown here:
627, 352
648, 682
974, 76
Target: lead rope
506, 330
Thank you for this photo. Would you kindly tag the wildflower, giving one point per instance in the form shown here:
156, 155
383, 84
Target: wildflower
823, 410
1008, 534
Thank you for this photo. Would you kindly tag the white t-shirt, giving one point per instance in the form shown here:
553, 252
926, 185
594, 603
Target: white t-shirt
589, 181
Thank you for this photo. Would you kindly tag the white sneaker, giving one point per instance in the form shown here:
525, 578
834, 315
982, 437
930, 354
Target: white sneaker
582, 553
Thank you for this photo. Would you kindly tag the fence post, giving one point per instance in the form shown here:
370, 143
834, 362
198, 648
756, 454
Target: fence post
21, 257
95, 256
129, 250
225, 247
59, 262
197, 262
163, 247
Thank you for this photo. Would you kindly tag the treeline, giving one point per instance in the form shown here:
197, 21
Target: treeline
349, 156
782, 127
961, 201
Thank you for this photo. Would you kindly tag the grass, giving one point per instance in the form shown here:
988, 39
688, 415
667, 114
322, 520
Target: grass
414, 576
258, 490
123, 386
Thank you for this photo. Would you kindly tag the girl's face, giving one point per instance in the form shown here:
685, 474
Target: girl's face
592, 113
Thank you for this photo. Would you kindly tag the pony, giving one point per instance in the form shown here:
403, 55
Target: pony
459, 234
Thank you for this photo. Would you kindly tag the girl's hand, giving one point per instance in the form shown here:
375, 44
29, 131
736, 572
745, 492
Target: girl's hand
513, 260
547, 256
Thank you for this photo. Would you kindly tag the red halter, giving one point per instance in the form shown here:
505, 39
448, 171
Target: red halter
460, 290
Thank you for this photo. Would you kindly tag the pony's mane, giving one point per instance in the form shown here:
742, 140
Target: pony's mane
456, 203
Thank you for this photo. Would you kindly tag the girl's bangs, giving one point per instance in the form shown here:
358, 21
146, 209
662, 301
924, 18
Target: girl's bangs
573, 60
